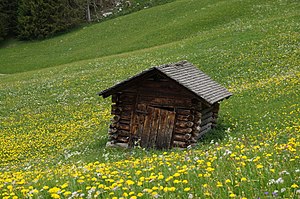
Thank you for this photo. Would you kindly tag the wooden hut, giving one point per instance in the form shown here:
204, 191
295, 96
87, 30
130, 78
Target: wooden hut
166, 106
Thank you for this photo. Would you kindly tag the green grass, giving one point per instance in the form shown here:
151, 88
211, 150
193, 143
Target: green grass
53, 125
144, 29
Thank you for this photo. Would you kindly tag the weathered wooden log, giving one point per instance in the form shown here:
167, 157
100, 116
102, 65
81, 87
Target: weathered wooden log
123, 126
184, 124
116, 110
114, 98
122, 139
128, 97
126, 116
196, 135
115, 118
113, 136
160, 101
179, 144
181, 137
117, 144
185, 117
204, 131
183, 111
207, 115
206, 110
112, 130
113, 125
193, 140
197, 114
197, 128
123, 133
205, 126
127, 107
197, 122
124, 121
183, 130
206, 121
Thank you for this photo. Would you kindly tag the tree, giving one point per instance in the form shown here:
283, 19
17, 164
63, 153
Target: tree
8, 17
39, 19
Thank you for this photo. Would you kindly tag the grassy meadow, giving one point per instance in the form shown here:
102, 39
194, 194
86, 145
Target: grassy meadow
53, 126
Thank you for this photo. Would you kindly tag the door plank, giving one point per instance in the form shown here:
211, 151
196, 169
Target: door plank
169, 129
154, 127
161, 129
165, 130
147, 128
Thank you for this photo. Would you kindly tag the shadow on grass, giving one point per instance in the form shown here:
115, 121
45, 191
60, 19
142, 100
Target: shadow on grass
216, 134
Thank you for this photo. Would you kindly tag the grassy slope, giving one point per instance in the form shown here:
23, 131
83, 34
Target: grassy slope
151, 27
51, 118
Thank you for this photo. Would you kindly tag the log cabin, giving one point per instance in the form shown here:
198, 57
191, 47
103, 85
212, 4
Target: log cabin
166, 106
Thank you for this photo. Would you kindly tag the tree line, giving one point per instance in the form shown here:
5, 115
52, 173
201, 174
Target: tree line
38, 19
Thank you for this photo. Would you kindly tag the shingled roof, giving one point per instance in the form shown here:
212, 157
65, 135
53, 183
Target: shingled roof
186, 75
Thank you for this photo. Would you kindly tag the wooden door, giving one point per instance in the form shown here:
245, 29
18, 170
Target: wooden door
155, 128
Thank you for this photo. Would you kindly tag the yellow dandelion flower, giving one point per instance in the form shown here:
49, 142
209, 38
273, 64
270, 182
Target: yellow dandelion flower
219, 184
154, 193
294, 186
142, 179
259, 166
45, 187
55, 196
10, 187
209, 169
160, 177
67, 193
64, 185
243, 179
171, 188
129, 182
232, 195
139, 183
140, 194
138, 172
131, 193
207, 193
227, 181
54, 190
187, 189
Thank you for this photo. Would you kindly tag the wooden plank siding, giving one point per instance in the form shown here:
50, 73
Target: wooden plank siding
167, 106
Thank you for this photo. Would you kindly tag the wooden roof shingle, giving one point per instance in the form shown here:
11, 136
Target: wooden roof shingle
186, 75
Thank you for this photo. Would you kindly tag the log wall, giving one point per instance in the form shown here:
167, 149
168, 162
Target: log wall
119, 129
193, 118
